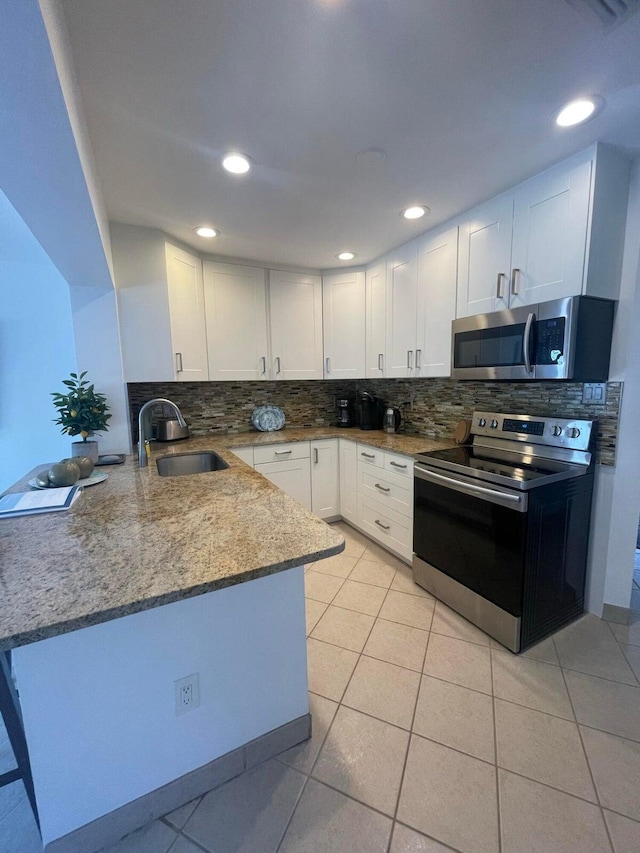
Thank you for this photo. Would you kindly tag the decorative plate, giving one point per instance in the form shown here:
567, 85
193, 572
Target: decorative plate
268, 418
92, 480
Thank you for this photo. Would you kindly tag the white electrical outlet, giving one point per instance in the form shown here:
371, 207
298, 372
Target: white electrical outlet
187, 693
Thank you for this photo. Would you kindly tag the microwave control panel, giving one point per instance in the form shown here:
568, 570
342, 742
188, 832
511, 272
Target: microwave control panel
550, 336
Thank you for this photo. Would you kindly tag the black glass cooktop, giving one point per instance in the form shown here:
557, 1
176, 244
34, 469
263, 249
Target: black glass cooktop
511, 469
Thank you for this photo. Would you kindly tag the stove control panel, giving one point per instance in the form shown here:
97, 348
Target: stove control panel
554, 432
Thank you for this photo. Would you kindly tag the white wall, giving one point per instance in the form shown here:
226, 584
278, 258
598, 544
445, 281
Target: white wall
98, 703
37, 349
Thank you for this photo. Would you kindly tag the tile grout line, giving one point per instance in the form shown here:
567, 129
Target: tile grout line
409, 739
495, 751
586, 754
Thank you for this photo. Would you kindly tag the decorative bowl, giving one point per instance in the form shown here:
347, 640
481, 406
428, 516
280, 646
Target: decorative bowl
268, 418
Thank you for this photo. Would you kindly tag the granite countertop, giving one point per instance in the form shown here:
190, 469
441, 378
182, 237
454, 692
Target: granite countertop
139, 540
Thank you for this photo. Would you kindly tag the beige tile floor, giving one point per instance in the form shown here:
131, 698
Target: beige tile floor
428, 737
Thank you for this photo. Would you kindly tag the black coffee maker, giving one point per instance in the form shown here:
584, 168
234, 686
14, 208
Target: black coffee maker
346, 412
370, 411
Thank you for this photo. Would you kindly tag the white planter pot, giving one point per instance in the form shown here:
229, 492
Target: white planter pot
85, 448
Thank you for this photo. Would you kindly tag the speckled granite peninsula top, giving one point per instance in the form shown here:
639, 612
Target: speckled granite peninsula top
139, 540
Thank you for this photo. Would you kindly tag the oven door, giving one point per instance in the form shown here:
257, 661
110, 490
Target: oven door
473, 533
494, 346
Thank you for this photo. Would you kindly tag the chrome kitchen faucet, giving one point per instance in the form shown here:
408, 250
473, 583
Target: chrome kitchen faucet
142, 441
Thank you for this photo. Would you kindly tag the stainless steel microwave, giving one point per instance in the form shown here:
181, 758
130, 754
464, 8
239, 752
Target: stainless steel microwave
563, 339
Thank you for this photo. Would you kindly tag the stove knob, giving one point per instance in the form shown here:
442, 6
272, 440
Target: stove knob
482, 422
556, 430
494, 424
573, 432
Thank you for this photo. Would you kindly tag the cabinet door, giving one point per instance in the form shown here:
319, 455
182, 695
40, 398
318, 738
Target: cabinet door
236, 313
485, 259
376, 319
348, 480
437, 273
402, 284
550, 223
325, 485
186, 310
343, 314
295, 302
292, 477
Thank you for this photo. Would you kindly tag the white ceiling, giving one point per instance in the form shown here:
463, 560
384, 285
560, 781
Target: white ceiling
459, 93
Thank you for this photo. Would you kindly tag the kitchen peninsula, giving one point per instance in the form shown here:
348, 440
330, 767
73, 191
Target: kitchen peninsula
145, 581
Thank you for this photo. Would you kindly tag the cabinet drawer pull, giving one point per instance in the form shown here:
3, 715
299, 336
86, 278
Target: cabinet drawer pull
368, 455
380, 361
515, 280
397, 465
383, 526
382, 488
500, 286
315, 455
179, 367
282, 452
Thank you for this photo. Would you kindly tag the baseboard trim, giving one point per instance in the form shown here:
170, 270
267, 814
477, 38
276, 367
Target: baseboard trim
115, 825
615, 613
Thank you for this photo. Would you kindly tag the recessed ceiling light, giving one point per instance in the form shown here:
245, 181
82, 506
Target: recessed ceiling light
371, 156
346, 256
205, 231
578, 111
238, 164
416, 211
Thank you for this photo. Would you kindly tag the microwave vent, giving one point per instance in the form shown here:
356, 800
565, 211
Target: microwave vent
605, 14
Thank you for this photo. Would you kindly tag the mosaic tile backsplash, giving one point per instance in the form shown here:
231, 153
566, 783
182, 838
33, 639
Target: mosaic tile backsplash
436, 405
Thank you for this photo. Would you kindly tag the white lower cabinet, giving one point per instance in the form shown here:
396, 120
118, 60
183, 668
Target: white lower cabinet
325, 483
348, 486
386, 526
292, 476
244, 453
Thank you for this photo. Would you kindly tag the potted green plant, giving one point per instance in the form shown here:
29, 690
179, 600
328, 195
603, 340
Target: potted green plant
81, 411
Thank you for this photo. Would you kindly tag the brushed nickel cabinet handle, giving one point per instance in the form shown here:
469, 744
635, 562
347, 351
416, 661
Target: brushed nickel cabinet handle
327, 365
515, 281
409, 359
380, 361
418, 358
383, 526
368, 455
382, 488
500, 285
282, 452
179, 367
315, 455
397, 464
264, 365
277, 365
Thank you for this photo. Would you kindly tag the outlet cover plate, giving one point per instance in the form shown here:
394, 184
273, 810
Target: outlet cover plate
594, 393
187, 693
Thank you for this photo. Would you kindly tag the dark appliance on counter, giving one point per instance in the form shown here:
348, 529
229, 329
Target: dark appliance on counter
563, 339
346, 412
392, 419
501, 526
370, 411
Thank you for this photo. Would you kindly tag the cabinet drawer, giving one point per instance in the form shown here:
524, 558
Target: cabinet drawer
370, 455
386, 526
392, 490
399, 464
281, 452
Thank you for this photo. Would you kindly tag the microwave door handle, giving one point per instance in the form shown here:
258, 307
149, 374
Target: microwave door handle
526, 343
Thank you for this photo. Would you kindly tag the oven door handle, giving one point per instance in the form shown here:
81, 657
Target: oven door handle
470, 489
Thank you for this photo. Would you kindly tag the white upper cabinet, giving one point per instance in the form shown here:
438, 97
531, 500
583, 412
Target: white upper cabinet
558, 234
343, 311
376, 320
186, 310
551, 216
296, 325
485, 259
236, 315
402, 288
437, 271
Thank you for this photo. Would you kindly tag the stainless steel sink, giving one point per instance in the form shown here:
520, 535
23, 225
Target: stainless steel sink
194, 462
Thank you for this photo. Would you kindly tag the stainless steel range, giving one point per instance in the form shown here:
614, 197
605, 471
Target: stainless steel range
501, 526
